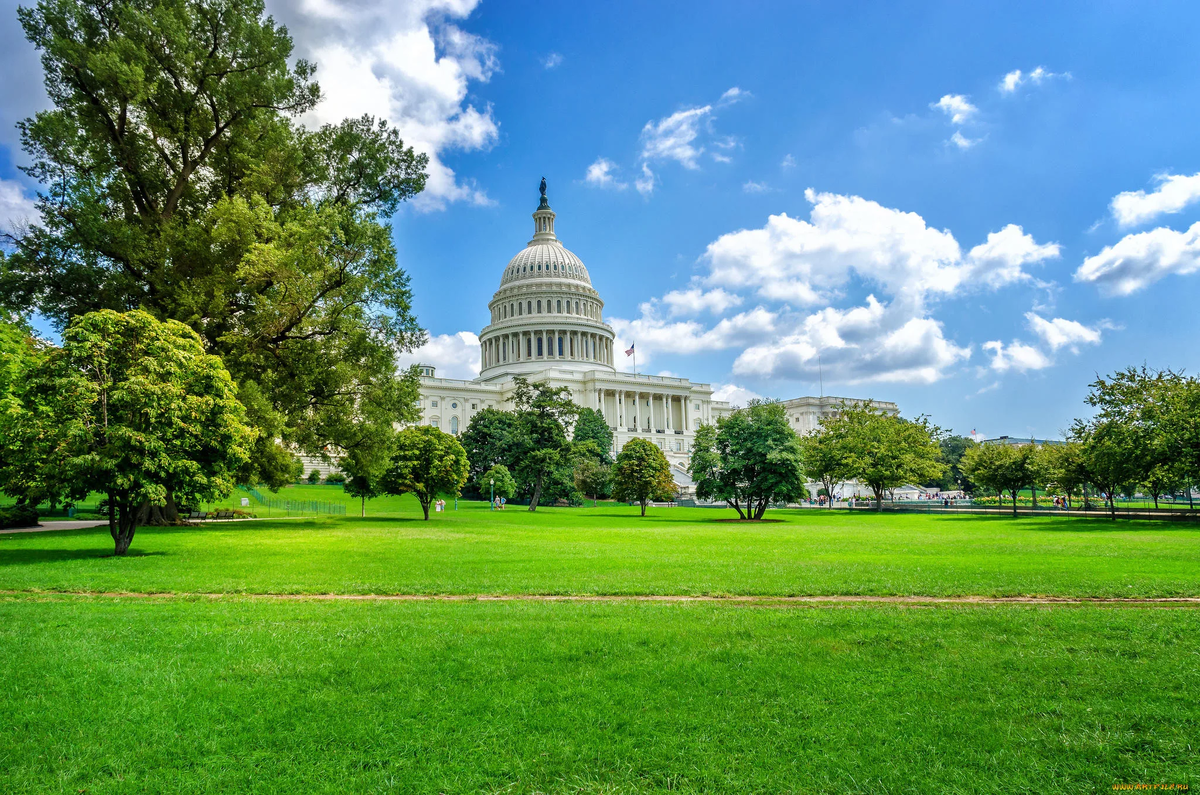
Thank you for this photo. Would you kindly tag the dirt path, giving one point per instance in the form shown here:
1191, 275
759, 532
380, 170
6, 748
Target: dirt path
918, 601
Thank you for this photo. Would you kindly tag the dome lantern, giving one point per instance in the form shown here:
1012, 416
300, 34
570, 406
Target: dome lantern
543, 219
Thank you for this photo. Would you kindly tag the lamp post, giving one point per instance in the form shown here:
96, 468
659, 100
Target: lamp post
493, 502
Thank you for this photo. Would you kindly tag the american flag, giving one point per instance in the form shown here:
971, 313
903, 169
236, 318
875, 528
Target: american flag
630, 351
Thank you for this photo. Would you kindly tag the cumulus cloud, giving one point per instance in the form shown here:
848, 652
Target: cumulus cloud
1016, 78
962, 141
1173, 194
656, 335
1062, 333
805, 262
694, 300
552, 61
674, 137
956, 107
1138, 260
1016, 356
751, 186
16, 208
407, 63
602, 174
870, 343
732, 393
454, 355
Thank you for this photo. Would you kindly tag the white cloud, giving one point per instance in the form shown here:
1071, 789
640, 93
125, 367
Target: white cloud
454, 355
409, 64
1174, 193
962, 141
1001, 259
1138, 260
733, 95
1016, 356
1062, 333
693, 301
655, 336
956, 107
552, 61
1016, 78
732, 393
673, 137
787, 162
645, 183
16, 208
870, 343
805, 262
755, 187
601, 175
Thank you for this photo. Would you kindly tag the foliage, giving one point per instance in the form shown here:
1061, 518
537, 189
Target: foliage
823, 460
20, 353
314, 477
1002, 467
591, 426
750, 460
543, 413
336, 479
641, 473
593, 478
492, 437
1065, 467
884, 451
953, 449
425, 463
498, 481
133, 408
177, 181
24, 515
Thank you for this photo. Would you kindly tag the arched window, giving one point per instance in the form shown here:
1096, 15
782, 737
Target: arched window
539, 307
560, 347
518, 307
528, 348
559, 307
540, 347
510, 310
577, 307
454, 425
529, 307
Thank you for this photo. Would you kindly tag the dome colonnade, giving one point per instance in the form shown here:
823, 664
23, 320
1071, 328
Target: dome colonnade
545, 312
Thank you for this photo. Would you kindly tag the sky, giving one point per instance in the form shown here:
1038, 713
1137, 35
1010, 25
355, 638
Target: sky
971, 209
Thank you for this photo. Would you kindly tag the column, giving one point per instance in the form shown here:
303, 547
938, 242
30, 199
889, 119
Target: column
667, 412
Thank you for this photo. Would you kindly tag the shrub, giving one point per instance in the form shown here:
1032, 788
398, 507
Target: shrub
18, 516
336, 478
314, 477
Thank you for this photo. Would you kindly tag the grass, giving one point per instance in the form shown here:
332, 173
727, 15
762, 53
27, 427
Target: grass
113, 695
610, 550
262, 694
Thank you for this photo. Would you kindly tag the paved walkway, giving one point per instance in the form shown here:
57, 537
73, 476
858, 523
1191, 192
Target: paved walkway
69, 524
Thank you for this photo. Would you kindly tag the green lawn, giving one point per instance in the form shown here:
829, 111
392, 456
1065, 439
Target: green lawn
264, 696
190, 694
611, 550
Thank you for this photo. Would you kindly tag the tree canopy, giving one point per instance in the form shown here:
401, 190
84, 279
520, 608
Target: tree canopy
176, 180
641, 473
590, 425
750, 459
426, 463
884, 451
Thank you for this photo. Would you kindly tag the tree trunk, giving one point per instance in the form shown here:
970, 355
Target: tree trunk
171, 509
1033, 489
364, 506
737, 507
1014, 498
425, 507
1156, 501
644, 507
537, 493
879, 499
122, 528
1112, 505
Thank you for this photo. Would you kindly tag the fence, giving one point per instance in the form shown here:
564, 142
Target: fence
279, 506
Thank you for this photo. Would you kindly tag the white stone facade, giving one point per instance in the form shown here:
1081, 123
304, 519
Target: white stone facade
547, 325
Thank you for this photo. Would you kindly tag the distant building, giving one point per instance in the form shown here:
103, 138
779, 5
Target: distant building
1021, 441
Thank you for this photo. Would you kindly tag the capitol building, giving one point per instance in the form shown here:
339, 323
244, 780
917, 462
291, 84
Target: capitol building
547, 325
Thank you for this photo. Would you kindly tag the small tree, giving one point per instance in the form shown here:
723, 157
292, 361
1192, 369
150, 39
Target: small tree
885, 451
314, 477
641, 474
133, 408
751, 459
426, 463
1001, 467
824, 461
498, 481
593, 478
1065, 467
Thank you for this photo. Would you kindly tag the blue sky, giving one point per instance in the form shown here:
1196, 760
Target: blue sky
755, 186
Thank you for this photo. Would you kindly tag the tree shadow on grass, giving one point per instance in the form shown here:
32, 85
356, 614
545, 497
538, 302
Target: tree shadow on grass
24, 557
1068, 524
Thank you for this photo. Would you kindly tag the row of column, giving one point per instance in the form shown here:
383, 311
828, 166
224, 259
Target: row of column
521, 346
632, 411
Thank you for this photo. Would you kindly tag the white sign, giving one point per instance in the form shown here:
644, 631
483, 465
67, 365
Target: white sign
245, 502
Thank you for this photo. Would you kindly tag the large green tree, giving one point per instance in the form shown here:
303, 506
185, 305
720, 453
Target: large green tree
426, 463
545, 459
492, 437
590, 425
751, 459
823, 460
884, 451
1003, 468
641, 473
175, 179
135, 409
1065, 467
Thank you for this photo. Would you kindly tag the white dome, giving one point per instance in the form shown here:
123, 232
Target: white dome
543, 259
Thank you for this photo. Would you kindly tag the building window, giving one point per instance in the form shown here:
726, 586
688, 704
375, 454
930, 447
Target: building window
540, 346
697, 407
539, 307
519, 308
577, 307
474, 407
558, 306
434, 422
453, 405
529, 307
560, 347
433, 403
528, 348
697, 423
454, 425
